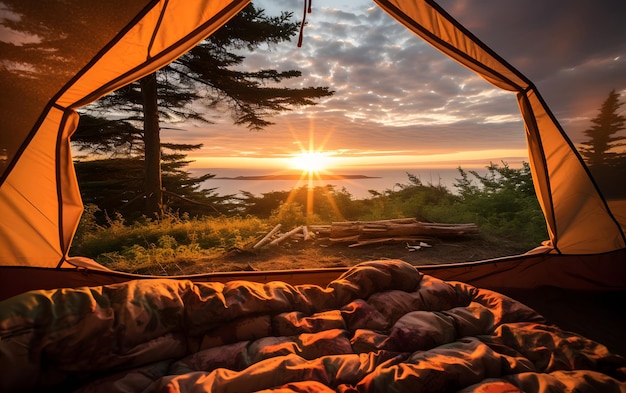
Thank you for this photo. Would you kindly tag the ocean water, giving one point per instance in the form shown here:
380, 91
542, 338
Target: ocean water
380, 180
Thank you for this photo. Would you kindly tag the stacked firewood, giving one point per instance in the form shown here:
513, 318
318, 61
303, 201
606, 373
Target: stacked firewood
360, 233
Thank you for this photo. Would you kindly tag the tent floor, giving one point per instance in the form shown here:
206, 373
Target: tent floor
598, 316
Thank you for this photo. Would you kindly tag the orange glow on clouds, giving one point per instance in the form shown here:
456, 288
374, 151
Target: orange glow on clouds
312, 156
317, 161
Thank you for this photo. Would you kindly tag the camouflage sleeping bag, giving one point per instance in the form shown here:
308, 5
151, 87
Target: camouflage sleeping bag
380, 327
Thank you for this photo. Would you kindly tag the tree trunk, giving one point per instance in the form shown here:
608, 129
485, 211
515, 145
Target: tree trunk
394, 228
152, 148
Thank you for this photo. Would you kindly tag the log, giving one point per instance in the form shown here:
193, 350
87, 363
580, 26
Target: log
402, 225
267, 237
322, 230
286, 236
387, 240
399, 228
382, 222
345, 239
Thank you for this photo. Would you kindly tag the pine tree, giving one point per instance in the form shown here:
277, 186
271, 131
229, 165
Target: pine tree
128, 121
601, 148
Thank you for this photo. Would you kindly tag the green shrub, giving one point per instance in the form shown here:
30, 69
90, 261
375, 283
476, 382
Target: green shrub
168, 238
503, 204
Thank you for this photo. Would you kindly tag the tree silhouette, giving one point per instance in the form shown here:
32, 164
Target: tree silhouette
602, 146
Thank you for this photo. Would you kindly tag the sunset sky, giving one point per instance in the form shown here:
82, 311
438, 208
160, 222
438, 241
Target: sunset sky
400, 103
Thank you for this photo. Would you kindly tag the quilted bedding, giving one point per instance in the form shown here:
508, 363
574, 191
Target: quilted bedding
380, 327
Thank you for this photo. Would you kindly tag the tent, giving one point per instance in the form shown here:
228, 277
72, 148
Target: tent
99, 47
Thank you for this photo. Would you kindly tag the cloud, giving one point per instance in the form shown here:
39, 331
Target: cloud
394, 93
570, 49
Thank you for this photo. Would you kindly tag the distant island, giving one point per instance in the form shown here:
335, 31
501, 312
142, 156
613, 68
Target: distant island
298, 176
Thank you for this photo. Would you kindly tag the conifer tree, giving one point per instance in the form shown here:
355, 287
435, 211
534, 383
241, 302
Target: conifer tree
604, 141
128, 122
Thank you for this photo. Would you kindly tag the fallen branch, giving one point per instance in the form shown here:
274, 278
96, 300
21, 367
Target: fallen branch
267, 237
286, 236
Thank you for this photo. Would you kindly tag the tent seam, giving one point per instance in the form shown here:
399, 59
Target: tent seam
481, 44
543, 158
59, 179
401, 16
156, 29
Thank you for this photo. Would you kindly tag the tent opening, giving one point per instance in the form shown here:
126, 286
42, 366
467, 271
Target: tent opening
408, 137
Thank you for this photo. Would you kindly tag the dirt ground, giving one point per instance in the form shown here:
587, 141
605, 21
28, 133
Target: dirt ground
312, 255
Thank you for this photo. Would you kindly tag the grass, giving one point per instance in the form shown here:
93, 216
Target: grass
157, 246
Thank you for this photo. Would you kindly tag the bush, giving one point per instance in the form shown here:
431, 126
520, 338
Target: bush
503, 204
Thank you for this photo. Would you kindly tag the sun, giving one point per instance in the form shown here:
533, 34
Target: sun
310, 161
